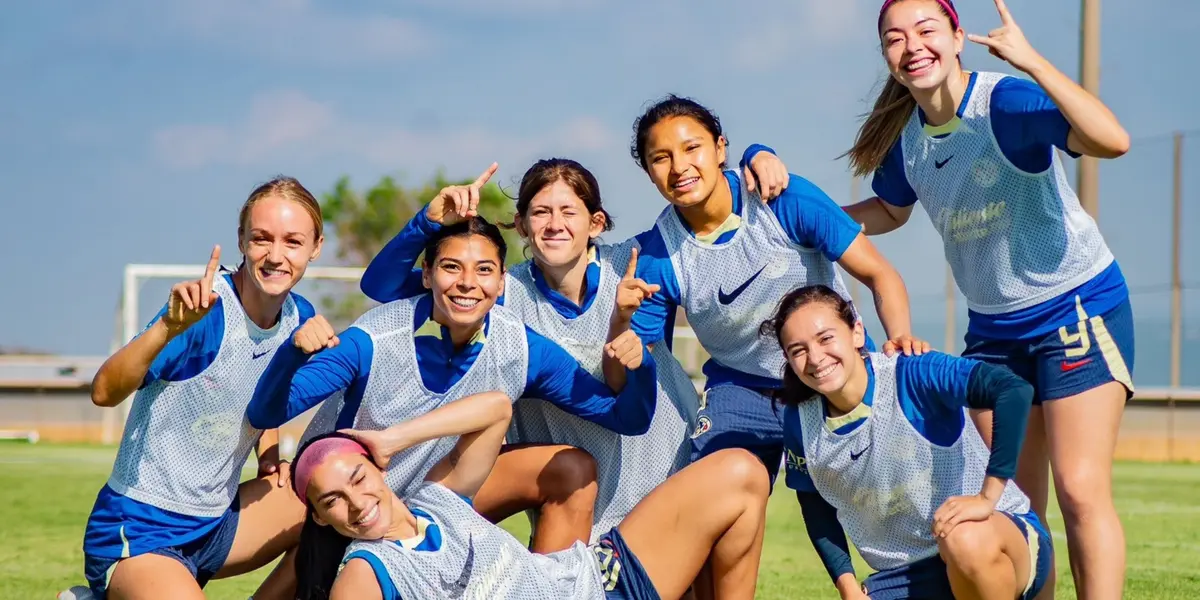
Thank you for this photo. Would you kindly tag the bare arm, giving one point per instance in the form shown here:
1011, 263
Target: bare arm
121, 375
863, 261
480, 419
877, 216
356, 581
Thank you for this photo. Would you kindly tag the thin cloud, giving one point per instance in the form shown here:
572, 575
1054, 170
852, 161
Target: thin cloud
290, 124
281, 30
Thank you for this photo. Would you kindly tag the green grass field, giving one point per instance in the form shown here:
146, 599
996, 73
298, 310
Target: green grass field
46, 492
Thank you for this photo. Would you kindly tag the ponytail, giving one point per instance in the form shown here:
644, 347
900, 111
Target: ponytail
882, 128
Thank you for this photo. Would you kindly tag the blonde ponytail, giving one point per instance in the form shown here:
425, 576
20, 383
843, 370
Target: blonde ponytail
882, 128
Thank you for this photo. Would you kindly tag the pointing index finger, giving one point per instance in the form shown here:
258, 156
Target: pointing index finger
631, 270
486, 175
210, 270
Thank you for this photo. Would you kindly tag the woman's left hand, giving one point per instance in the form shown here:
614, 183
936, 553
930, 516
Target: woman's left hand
767, 174
1008, 43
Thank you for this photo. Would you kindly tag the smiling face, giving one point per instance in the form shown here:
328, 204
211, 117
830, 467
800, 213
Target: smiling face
920, 44
348, 492
278, 238
465, 278
684, 160
559, 225
821, 348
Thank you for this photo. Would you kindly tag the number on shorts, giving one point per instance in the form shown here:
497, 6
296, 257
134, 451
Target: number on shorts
1078, 343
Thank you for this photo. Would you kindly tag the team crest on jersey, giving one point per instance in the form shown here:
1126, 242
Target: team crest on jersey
702, 426
776, 268
985, 172
216, 430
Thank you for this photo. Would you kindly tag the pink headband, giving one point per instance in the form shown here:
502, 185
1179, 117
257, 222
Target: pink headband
946, 4
315, 454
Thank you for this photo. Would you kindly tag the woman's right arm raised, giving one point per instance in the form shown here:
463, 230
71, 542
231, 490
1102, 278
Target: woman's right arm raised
392, 274
123, 373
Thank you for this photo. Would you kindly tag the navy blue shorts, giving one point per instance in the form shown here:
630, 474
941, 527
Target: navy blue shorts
1071, 360
622, 573
926, 579
732, 416
203, 557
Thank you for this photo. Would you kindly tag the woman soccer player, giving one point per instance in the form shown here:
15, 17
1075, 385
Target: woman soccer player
1046, 297
172, 515
727, 258
884, 447
410, 356
574, 291
432, 542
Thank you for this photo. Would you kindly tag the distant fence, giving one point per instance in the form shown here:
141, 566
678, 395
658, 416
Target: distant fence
1160, 424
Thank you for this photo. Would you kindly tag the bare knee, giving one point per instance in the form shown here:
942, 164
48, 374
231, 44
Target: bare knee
1083, 494
741, 470
971, 547
569, 478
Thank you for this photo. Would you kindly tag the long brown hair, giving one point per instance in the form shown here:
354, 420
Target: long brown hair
884, 124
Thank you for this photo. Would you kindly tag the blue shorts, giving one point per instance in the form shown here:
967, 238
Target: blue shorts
622, 573
1071, 360
927, 579
732, 416
203, 557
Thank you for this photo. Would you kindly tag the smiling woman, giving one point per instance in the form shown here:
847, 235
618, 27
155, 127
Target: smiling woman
173, 515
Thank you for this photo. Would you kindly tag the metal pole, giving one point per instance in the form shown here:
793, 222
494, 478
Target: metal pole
854, 181
1176, 290
948, 343
1088, 174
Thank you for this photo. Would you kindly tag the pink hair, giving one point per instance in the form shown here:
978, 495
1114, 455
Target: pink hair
948, 5
315, 454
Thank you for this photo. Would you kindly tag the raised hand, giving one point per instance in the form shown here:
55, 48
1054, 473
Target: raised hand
631, 292
459, 202
191, 300
378, 443
314, 335
907, 344
766, 173
1008, 43
626, 349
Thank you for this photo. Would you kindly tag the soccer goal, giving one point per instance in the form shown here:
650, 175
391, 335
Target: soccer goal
145, 289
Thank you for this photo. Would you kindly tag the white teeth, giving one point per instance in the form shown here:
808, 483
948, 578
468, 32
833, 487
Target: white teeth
271, 272
367, 517
825, 371
465, 302
685, 182
919, 64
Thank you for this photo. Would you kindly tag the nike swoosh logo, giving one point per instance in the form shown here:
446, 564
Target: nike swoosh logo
941, 163
456, 588
724, 298
1071, 366
854, 456
259, 354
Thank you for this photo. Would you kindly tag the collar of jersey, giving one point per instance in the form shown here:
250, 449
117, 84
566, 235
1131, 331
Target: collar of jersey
428, 535
851, 420
724, 232
952, 125
424, 325
562, 304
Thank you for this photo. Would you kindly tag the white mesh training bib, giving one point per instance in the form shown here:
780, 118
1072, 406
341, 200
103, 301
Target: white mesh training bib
629, 467
729, 289
395, 393
886, 480
185, 442
1013, 239
480, 561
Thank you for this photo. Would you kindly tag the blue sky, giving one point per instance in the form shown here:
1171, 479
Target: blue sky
132, 131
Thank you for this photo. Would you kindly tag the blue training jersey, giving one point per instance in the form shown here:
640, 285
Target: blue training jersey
1053, 252
813, 231
122, 526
